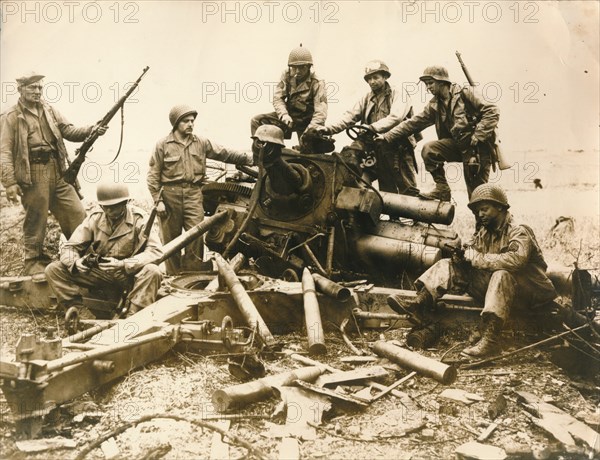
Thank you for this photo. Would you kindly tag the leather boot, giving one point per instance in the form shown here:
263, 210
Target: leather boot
489, 344
413, 307
441, 192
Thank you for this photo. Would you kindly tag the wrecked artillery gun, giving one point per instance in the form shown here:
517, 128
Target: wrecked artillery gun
306, 210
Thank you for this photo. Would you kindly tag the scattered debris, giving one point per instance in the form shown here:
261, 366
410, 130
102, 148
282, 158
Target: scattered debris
350, 376
478, 451
41, 445
462, 396
219, 450
497, 407
110, 449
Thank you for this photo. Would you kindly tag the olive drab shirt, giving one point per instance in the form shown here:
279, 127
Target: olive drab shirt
173, 162
121, 243
451, 121
381, 113
22, 130
305, 102
515, 249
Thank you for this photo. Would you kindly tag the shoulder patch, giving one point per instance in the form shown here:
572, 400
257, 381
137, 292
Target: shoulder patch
513, 246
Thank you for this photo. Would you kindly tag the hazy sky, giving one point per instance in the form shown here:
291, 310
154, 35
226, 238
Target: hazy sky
537, 60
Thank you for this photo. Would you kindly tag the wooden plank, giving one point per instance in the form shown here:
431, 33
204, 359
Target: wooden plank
353, 375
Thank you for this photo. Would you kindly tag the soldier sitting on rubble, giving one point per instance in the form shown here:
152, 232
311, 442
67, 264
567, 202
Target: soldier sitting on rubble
108, 250
503, 266
300, 99
379, 111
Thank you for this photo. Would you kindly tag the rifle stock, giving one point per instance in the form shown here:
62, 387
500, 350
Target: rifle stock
498, 154
70, 175
149, 223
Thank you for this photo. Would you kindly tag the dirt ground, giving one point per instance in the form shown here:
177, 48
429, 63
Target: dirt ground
430, 426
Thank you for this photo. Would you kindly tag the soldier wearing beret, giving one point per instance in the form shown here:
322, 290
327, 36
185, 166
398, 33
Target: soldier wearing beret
33, 158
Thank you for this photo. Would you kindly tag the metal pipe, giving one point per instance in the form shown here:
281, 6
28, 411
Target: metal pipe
65, 361
331, 289
237, 396
236, 263
330, 247
312, 316
358, 313
401, 253
92, 331
243, 300
190, 235
412, 207
422, 364
313, 258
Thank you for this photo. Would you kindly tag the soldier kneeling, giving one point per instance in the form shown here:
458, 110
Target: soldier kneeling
109, 249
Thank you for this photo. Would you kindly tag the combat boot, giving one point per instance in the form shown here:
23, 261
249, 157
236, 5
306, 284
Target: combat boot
415, 307
489, 344
440, 192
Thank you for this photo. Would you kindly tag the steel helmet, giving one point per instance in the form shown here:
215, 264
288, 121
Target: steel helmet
376, 66
437, 72
269, 133
488, 192
109, 193
180, 111
300, 56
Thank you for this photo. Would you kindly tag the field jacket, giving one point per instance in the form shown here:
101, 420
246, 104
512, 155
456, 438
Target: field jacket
456, 123
14, 148
394, 109
305, 103
121, 243
515, 249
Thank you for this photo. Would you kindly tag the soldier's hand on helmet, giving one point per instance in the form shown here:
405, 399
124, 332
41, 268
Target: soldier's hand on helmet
101, 129
111, 265
287, 120
81, 266
161, 210
322, 129
13, 192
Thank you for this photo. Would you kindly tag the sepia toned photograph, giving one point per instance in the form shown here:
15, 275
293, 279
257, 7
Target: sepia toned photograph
300, 229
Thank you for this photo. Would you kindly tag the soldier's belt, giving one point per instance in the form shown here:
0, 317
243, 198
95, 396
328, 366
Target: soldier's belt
41, 156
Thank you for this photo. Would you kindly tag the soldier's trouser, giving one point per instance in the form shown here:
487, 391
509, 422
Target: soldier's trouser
255, 122
436, 153
66, 285
394, 169
48, 192
184, 210
499, 290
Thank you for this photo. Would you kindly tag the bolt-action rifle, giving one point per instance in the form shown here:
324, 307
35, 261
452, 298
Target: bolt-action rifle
70, 175
474, 118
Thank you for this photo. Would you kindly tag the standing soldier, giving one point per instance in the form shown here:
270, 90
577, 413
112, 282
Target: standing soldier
300, 100
178, 165
113, 233
33, 158
380, 110
503, 267
465, 126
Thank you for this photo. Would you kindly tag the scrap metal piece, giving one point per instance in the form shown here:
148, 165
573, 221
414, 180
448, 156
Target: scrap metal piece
312, 316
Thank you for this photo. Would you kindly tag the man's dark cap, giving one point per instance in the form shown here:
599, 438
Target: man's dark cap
29, 78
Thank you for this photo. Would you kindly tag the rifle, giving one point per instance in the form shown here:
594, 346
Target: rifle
70, 175
497, 154
148, 226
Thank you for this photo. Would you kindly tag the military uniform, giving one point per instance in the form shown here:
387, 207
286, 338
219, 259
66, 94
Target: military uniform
454, 134
507, 269
95, 235
395, 161
305, 103
33, 155
180, 169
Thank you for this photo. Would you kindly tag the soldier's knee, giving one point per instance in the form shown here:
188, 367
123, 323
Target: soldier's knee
427, 150
151, 271
53, 268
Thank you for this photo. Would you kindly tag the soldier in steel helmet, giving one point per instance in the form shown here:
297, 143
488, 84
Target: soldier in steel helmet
111, 234
503, 267
380, 110
300, 100
465, 126
34, 157
178, 165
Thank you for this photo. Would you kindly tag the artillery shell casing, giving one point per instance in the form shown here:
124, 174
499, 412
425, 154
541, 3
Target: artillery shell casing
330, 288
312, 316
243, 300
422, 364
245, 393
